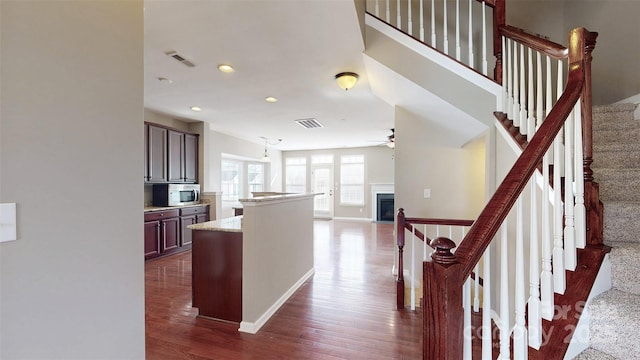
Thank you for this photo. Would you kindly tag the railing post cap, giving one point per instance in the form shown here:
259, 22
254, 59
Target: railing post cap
442, 254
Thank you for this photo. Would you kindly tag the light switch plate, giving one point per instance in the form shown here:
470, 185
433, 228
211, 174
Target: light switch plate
427, 193
8, 222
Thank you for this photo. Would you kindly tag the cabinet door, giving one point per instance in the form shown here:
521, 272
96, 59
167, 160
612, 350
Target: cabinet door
151, 239
186, 233
157, 154
171, 234
176, 156
200, 218
190, 158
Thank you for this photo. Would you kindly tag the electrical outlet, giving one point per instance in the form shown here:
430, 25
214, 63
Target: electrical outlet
427, 193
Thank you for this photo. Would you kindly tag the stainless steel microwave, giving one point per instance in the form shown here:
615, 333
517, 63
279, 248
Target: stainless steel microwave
176, 194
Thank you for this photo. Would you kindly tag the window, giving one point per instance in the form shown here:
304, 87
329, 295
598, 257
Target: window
296, 175
352, 180
231, 180
322, 159
255, 177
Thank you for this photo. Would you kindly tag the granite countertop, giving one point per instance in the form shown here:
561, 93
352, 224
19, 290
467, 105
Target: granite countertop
160, 208
232, 224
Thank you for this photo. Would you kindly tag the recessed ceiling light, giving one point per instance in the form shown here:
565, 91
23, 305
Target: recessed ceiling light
270, 99
225, 68
196, 108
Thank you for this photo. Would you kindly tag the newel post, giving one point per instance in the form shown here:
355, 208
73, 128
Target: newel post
443, 313
400, 278
594, 208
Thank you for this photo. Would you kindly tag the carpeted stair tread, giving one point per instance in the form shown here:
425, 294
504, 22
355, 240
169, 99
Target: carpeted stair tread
613, 112
620, 155
615, 136
621, 221
593, 354
618, 184
615, 320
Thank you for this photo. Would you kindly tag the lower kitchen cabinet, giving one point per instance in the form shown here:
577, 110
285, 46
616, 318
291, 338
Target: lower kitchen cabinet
166, 232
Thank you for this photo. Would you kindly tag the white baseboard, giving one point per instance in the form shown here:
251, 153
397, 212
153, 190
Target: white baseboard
253, 327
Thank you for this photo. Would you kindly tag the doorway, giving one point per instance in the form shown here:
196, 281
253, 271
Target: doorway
322, 184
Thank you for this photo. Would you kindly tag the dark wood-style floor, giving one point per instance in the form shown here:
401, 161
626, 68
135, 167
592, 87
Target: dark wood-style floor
346, 311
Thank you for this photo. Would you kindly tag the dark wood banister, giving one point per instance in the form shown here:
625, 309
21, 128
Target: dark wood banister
444, 276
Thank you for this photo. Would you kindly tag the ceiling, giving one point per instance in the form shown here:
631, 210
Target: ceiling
288, 49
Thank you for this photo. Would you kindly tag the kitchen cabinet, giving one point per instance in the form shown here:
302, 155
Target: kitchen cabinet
171, 155
161, 232
166, 232
183, 157
189, 216
156, 148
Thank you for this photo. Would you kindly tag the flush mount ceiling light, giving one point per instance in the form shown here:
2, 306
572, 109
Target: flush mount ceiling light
270, 99
196, 108
347, 80
225, 68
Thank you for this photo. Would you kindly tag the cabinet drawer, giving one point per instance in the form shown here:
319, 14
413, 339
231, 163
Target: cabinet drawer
193, 210
159, 215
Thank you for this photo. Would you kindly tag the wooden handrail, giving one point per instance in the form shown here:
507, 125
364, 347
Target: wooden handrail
445, 275
486, 226
537, 43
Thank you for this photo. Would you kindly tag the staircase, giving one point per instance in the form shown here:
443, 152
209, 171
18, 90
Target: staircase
615, 314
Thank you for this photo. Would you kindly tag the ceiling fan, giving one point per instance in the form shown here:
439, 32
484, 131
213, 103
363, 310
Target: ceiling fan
390, 142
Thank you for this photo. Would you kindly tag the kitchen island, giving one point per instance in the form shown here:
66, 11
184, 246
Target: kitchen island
246, 267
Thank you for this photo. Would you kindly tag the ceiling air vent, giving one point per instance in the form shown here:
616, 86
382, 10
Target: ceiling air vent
175, 55
309, 123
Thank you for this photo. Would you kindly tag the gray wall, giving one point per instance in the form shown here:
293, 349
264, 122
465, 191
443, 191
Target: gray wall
72, 285
615, 58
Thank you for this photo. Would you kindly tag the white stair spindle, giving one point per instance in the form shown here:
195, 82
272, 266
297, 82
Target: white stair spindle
377, 8
505, 334
533, 311
433, 24
539, 96
505, 83
437, 231
580, 211
409, 18
487, 343
531, 121
549, 102
413, 268
470, 40
484, 40
520, 330
559, 281
445, 29
425, 244
560, 83
388, 12
476, 289
523, 103
422, 20
546, 277
570, 254
458, 30
516, 87
398, 16
466, 305
451, 234
509, 64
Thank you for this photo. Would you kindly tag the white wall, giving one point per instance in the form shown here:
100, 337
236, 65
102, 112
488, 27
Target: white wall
72, 285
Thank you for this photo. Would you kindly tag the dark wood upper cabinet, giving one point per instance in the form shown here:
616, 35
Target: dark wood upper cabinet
170, 155
190, 158
156, 159
176, 156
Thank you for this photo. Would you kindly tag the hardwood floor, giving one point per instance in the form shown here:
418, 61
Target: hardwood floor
345, 311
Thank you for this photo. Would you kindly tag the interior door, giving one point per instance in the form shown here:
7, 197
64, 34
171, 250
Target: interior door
322, 183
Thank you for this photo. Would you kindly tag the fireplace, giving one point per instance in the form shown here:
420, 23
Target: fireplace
385, 208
